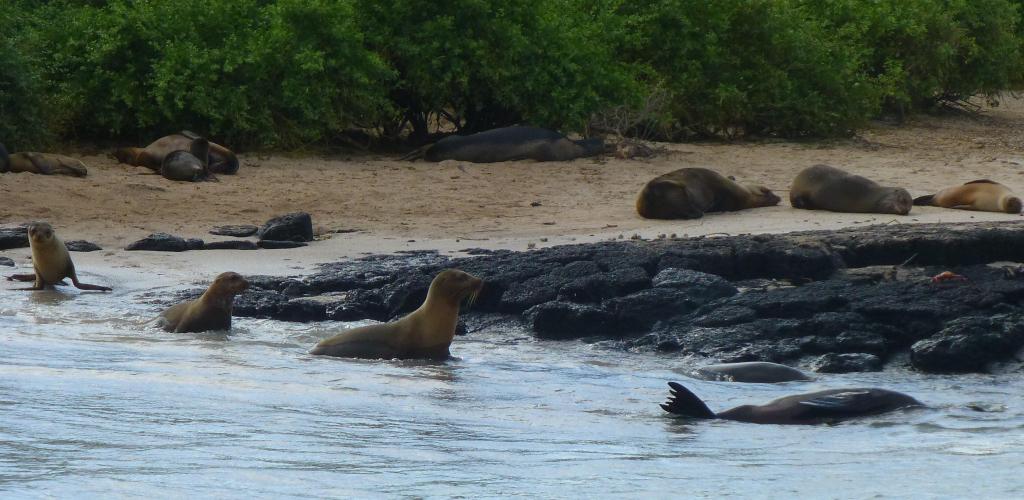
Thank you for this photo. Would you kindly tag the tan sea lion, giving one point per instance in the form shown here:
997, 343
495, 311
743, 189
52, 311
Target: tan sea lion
211, 311
688, 193
425, 333
822, 187
983, 195
41, 163
509, 144
818, 407
221, 159
51, 261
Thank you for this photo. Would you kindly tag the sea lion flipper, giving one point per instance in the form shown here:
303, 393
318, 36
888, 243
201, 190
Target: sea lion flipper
22, 277
190, 134
924, 200
683, 402
981, 181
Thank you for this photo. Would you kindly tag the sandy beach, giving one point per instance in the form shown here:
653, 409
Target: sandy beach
381, 204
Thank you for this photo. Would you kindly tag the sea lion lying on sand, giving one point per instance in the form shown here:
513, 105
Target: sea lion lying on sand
508, 144
51, 261
211, 311
221, 160
688, 193
41, 163
983, 195
822, 187
425, 333
752, 371
831, 405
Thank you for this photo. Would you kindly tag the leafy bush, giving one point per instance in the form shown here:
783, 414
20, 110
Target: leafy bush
23, 109
477, 64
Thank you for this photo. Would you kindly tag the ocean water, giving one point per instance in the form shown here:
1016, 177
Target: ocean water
96, 402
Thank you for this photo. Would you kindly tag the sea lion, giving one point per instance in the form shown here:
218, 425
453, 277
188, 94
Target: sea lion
831, 405
688, 193
822, 187
211, 311
41, 163
425, 333
221, 160
508, 144
188, 165
51, 261
752, 371
983, 195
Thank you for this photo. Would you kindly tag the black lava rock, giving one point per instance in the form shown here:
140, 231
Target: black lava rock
968, 344
160, 242
291, 227
847, 363
81, 246
15, 237
6, 261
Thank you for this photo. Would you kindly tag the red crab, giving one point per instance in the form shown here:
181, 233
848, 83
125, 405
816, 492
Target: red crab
945, 276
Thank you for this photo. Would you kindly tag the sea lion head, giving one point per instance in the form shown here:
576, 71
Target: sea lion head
454, 286
895, 201
229, 283
763, 197
40, 233
1011, 205
666, 199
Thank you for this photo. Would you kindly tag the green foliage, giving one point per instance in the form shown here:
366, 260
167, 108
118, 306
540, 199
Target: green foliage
286, 73
485, 63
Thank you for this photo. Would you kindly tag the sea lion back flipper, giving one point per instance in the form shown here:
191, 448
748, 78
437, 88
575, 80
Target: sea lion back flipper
924, 200
416, 154
683, 402
981, 181
83, 286
22, 277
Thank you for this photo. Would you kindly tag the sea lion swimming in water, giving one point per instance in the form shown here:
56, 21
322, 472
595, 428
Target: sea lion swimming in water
51, 261
831, 405
211, 311
425, 333
221, 160
41, 163
509, 144
688, 193
751, 371
822, 187
188, 165
982, 195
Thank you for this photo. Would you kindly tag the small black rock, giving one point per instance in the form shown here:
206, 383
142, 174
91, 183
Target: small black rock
278, 244
81, 246
230, 245
160, 242
296, 226
6, 261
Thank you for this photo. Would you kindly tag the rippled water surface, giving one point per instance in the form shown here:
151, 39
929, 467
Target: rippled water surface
95, 402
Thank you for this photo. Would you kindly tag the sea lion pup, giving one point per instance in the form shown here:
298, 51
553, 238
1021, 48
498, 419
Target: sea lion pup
425, 333
822, 187
211, 311
51, 261
508, 144
221, 159
983, 195
831, 405
752, 371
41, 163
188, 165
688, 193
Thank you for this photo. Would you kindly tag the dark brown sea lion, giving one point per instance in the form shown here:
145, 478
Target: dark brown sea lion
51, 261
822, 187
41, 163
188, 165
211, 311
221, 160
831, 405
983, 195
688, 193
425, 333
752, 371
508, 144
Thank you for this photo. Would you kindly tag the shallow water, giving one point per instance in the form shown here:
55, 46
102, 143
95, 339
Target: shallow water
95, 402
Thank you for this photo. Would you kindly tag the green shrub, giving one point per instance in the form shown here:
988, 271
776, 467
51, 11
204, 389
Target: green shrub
23, 105
477, 64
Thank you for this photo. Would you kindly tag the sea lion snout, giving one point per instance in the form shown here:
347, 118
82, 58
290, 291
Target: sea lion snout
900, 201
40, 231
231, 282
1013, 205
